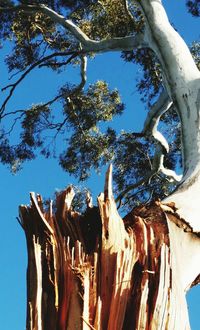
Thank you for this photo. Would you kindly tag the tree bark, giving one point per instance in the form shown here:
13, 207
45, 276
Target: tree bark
181, 79
99, 271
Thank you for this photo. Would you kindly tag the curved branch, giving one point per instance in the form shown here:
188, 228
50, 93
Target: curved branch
58, 65
136, 185
134, 195
128, 12
88, 45
158, 163
83, 72
150, 128
151, 123
76, 90
33, 66
171, 174
157, 110
50, 102
157, 166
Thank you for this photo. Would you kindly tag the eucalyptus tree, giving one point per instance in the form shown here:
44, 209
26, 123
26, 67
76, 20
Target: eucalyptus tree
97, 270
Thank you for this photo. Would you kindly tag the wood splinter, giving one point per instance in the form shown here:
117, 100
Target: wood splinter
99, 271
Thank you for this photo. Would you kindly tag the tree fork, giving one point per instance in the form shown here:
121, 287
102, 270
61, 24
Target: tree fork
99, 271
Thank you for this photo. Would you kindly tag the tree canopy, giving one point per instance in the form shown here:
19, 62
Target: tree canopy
37, 40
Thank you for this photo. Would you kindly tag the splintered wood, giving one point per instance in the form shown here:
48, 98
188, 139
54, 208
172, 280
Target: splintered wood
97, 271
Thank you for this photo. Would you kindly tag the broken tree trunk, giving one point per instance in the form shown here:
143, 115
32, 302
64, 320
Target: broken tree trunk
97, 271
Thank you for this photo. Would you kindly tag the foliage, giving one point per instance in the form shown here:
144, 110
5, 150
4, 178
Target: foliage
193, 7
82, 124
150, 83
88, 145
195, 50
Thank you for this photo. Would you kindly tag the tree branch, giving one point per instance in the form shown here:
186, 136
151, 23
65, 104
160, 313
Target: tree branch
58, 64
133, 196
88, 45
76, 90
14, 123
150, 129
83, 72
162, 105
33, 66
157, 167
151, 123
171, 174
136, 185
128, 11
158, 163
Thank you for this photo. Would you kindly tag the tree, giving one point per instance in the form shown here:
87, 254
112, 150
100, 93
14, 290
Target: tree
175, 229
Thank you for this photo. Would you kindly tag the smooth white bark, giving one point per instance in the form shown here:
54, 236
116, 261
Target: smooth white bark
88, 45
184, 247
181, 76
182, 82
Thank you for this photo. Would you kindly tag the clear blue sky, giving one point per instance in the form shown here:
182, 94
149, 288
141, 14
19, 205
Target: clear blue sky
45, 176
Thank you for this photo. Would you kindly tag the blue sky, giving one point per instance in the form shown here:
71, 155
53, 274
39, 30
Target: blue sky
45, 176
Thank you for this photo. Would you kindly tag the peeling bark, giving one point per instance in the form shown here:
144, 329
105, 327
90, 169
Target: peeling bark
99, 271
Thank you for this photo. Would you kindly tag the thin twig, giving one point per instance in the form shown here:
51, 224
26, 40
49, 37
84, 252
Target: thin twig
136, 185
135, 194
14, 123
128, 11
146, 156
59, 64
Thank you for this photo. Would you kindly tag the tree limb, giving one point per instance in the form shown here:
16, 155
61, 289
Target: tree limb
157, 110
136, 185
127, 10
150, 129
158, 163
58, 64
33, 66
151, 123
14, 123
58, 126
88, 45
76, 90
171, 174
134, 195
157, 167
83, 71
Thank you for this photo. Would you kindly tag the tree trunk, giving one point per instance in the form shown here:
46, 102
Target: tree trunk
98, 271
181, 79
